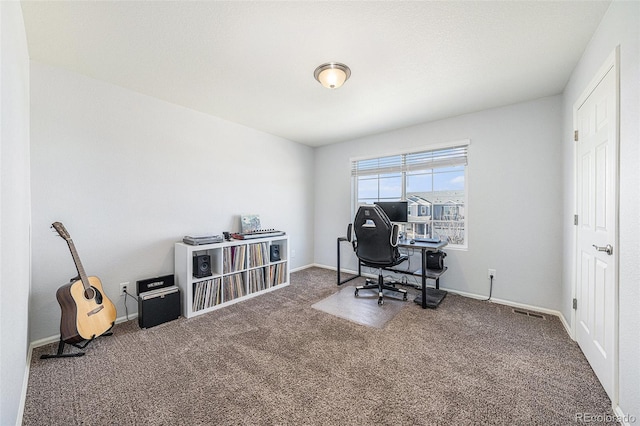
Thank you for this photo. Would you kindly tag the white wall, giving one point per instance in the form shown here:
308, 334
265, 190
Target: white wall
14, 210
619, 27
129, 175
515, 205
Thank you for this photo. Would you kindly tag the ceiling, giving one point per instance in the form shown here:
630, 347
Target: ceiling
252, 62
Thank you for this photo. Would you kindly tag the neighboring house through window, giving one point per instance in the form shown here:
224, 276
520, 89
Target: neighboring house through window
432, 181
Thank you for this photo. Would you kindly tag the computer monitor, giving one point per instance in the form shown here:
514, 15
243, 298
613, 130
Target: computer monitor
397, 211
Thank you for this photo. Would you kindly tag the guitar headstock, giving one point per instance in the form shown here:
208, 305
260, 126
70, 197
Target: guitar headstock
62, 232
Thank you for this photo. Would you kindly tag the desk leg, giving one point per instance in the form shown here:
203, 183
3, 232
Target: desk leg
338, 262
424, 278
340, 239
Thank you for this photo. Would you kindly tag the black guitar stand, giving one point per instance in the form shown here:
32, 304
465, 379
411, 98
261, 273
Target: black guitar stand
61, 343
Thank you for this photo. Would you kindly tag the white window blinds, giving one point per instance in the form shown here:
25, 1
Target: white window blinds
432, 159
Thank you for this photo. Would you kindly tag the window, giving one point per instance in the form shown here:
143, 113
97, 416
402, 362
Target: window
432, 181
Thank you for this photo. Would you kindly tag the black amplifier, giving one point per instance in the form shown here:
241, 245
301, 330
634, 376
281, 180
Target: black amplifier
154, 283
158, 301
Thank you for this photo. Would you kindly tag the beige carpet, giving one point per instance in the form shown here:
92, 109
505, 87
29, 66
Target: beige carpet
363, 309
276, 360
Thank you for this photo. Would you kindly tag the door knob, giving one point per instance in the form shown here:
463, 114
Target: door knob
608, 249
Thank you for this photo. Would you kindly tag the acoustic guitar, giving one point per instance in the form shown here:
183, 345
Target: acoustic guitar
86, 311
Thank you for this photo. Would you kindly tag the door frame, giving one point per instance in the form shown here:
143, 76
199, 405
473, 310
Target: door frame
612, 63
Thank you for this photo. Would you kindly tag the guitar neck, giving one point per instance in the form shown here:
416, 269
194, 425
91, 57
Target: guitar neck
79, 267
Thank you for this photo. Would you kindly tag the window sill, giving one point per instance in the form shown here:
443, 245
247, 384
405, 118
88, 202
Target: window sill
457, 248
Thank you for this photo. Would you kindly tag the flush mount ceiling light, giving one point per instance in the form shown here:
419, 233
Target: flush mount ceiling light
332, 75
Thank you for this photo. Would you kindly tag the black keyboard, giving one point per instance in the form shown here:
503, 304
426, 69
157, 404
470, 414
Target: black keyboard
258, 234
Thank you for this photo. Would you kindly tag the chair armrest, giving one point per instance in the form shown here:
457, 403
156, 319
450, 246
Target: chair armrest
350, 237
395, 235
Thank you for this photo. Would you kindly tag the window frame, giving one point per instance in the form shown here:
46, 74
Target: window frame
423, 149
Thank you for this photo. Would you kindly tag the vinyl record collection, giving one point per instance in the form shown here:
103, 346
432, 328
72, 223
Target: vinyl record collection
257, 280
258, 254
206, 294
234, 257
233, 286
246, 270
278, 273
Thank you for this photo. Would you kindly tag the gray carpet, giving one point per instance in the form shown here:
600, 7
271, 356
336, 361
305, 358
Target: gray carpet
275, 360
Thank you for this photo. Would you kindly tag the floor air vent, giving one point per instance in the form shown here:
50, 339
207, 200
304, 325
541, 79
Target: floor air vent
529, 314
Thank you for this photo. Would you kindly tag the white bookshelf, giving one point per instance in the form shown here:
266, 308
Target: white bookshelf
240, 270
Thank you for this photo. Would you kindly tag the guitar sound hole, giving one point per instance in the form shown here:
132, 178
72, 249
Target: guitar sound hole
93, 293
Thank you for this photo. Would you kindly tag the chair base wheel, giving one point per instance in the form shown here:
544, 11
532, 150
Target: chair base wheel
380, 287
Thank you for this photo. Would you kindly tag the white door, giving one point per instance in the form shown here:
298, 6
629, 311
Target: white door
596, 253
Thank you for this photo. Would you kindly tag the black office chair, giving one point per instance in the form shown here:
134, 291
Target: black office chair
376, 245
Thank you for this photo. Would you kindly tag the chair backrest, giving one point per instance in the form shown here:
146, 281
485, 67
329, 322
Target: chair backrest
376, 236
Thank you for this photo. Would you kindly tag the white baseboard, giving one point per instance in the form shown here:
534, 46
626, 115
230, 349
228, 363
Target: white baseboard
56, 338
623, 418
479, 297
346, 271
519, 305
25, 384
527, 307
300, 268
566, 325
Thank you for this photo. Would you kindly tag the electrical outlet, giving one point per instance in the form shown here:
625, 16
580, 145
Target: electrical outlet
124, 287
492, 273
